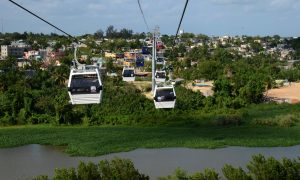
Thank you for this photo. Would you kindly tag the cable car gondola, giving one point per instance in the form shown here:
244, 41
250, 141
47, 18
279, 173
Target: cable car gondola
146, 50
160, 60
164, 97
128, 74
139, 62
85, 86
160, 45
160, 76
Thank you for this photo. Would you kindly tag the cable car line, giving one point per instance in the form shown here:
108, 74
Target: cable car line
165, 96
85, 85
69, 35
186, 3
145, 21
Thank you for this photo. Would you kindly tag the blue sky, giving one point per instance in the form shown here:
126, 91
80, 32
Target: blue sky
211, 17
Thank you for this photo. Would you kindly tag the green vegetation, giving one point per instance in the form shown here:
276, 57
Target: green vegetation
106, 170
126, 120
258, 168
199, 130
237, 113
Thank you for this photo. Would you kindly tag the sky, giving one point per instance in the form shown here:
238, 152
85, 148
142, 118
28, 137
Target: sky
210, 17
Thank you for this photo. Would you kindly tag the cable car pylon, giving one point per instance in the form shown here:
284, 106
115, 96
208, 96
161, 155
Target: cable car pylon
163, 95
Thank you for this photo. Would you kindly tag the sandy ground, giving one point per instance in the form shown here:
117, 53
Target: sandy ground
289, 94
206, 91
148, 95
144, 86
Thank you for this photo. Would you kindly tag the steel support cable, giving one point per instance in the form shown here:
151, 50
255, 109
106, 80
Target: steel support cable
70, 36
144, 18
186, 3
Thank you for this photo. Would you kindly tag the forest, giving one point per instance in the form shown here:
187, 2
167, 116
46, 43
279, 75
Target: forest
35, 95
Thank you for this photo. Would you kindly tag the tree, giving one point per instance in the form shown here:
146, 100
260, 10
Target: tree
125, 33
232, 173
99, 34
256, 47
110, 32
253, 91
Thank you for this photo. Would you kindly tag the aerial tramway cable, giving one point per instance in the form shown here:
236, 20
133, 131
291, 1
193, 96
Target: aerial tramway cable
144, 18
85, 85
70, 36
182, 15
165, 96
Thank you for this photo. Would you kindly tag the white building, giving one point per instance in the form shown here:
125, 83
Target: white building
16, 49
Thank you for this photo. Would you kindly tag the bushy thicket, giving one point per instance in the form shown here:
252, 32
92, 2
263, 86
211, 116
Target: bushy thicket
258, 168
122, 169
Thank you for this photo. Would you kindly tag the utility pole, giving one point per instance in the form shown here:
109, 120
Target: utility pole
153, 60
155, 35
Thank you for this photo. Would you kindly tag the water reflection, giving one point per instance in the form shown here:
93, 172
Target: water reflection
33, 160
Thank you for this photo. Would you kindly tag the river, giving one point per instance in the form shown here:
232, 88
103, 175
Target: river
32, 160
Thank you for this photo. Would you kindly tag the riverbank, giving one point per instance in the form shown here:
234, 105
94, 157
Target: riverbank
93, 141
265, 125
30, 161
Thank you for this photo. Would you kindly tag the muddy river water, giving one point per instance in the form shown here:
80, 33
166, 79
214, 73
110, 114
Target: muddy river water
32, 160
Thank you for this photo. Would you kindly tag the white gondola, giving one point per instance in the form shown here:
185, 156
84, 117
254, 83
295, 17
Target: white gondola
160, 76
160, 60
128, 74
85, 86
164, 97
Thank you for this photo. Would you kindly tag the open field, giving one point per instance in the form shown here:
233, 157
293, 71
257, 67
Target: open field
289, 94
205, 90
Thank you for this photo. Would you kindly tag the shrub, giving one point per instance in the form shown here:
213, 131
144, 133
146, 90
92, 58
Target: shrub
22, 116
121, 169
180, 174
287, 121
232, 173
88, 171
42, 177
40, 118
66, 174
230, 119
6, 120
259, 168
280, 120
262, 168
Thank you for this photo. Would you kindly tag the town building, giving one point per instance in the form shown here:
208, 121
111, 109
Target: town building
16, 49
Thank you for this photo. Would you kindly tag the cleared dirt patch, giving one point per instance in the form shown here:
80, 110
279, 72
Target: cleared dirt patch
205, 88
289, 94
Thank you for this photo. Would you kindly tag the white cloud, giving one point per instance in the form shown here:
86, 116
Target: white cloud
232, 2
284, 4
96, 7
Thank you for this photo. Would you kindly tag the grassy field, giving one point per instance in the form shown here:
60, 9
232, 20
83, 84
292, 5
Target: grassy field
92, 141
98, 140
